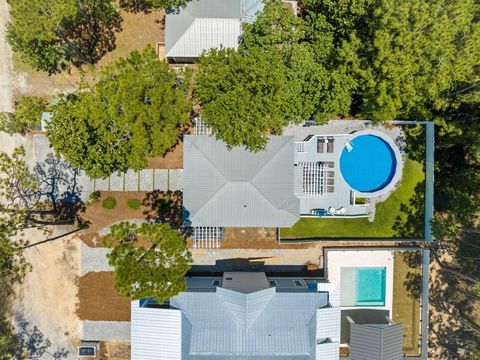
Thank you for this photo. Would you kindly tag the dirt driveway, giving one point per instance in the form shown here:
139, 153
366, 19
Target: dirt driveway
6, 84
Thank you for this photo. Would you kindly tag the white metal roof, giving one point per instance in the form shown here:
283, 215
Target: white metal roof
237, 187
206, 24
227, 324
155, 333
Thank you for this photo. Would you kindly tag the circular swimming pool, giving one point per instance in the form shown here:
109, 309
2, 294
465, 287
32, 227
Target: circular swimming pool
368, 163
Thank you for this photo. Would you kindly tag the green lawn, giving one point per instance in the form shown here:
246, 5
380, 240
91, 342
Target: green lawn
401, 215
406, 302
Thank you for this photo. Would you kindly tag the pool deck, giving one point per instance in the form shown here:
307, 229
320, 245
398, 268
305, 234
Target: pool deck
336, 259
338, 193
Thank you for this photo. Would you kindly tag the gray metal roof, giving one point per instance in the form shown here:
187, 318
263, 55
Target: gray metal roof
205, 24
239, 188
228, 324
376, 342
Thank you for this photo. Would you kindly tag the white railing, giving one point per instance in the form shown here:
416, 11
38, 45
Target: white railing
207, 237
201, 128
300, 146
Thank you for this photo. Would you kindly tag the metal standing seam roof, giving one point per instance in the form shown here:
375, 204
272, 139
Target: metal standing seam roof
205, 24
376, 341
230, 325
239, 188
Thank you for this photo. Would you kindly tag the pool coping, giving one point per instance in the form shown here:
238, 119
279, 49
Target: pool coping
398, 159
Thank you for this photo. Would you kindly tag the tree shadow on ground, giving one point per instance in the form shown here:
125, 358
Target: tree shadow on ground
33, 343
446, 332
413, 280
60, 190
93, 33
413, 227
136, 6
165, 207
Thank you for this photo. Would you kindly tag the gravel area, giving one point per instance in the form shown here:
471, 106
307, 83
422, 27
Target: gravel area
105, 330
94, 259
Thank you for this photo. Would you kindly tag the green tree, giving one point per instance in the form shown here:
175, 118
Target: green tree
52, 34
276, 25
134, 112
415, 54
146, 5
28, 113
245, 97
158, 271
18, 190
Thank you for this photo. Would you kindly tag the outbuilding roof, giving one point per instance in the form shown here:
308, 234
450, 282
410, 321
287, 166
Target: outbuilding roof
205, 24
237, 187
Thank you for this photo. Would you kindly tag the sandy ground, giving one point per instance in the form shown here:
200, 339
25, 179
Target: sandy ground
44, 310
6, 86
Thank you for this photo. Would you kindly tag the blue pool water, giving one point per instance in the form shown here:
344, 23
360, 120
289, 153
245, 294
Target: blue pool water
370, 286
370, 165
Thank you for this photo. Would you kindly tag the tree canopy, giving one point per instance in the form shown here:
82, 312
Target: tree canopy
156, 271
276, 77
52, 34
135, 111
244, 97
28, 113
415, 54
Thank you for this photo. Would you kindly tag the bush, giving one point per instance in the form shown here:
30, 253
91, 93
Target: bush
93, 198
134, 204
109, 203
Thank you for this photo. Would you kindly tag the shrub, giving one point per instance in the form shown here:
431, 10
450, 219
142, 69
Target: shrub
109, 203
93, 198
134, 204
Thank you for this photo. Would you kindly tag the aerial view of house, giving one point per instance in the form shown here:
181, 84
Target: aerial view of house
239, 179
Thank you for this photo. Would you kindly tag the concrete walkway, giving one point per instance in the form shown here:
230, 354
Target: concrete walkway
105, 330
94, 259
78, 184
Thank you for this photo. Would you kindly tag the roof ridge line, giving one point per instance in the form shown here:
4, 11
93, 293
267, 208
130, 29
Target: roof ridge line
251, 180
184, 32
225, 179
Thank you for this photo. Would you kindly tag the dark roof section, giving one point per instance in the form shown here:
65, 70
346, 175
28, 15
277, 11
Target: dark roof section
376, 341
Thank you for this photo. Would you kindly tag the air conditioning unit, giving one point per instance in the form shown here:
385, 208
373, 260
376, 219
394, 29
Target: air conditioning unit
88, 349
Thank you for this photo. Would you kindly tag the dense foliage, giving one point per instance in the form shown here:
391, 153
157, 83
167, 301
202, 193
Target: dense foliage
276, 77
135, 111
156, 271
27, 116
52, 34
16, 186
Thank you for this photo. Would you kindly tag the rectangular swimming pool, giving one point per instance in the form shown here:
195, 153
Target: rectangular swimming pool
363, 286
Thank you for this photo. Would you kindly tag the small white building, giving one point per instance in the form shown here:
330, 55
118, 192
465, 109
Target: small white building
206, 24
